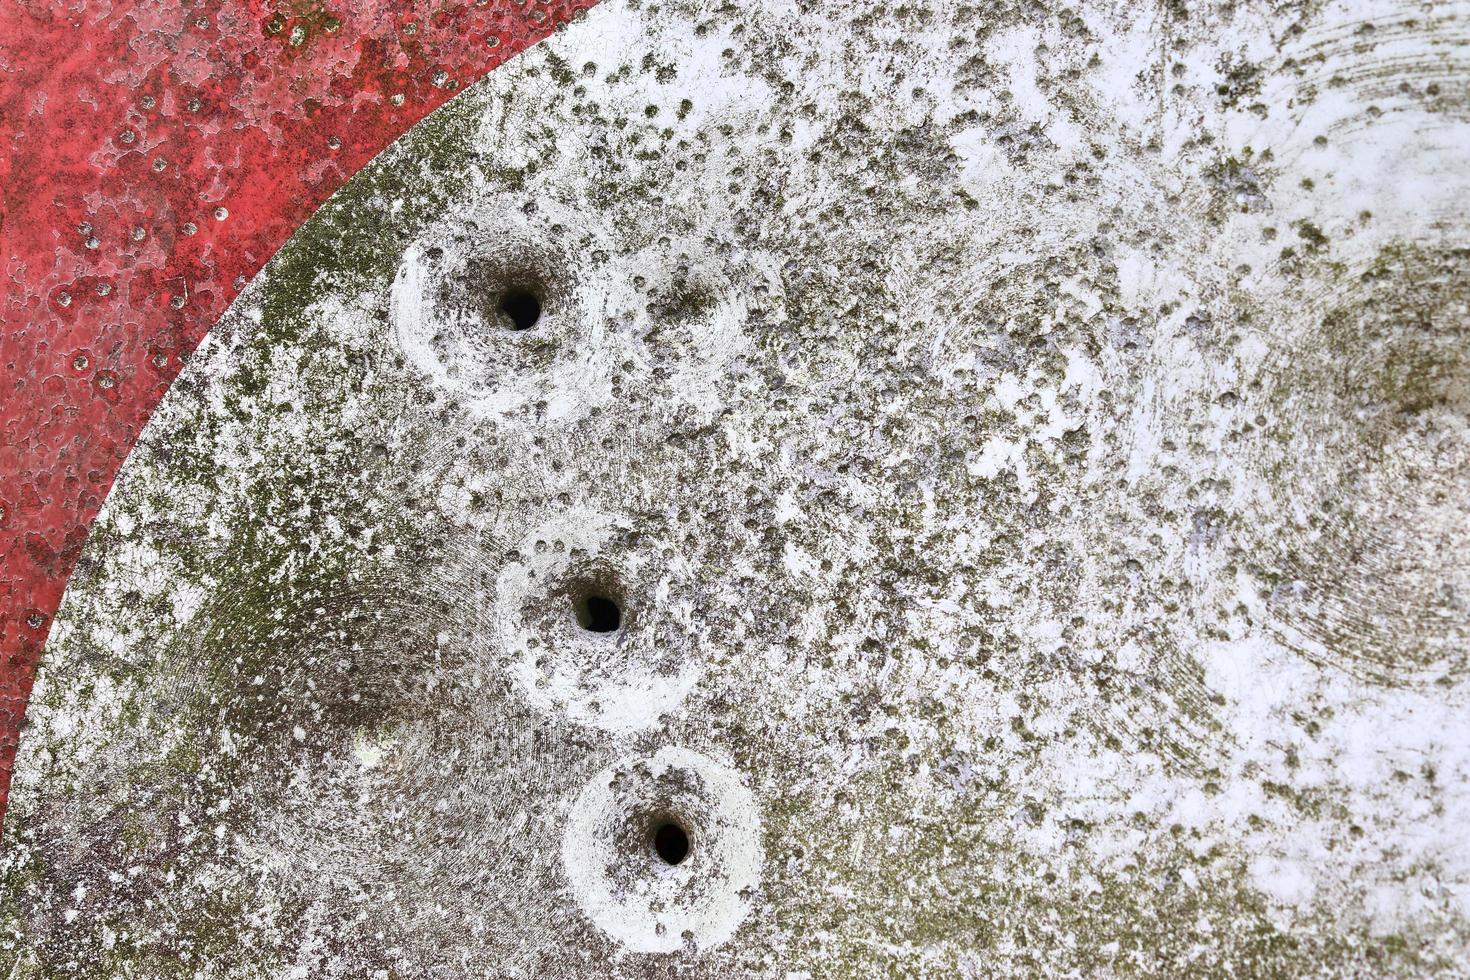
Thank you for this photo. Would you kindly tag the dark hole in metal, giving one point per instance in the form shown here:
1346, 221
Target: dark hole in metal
671, 843
599, 614
521, 307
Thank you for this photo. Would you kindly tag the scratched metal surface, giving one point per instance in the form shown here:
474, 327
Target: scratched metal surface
1026, 447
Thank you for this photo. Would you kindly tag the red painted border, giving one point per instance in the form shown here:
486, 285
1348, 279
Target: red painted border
156, 155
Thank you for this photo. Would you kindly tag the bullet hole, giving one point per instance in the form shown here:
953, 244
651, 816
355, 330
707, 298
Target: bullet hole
671, 843
521, 308
598, 613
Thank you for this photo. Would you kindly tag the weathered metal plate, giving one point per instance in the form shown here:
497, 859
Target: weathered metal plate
156, 155
934, 491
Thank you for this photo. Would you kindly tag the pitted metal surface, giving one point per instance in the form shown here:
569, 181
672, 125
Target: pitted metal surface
993, 477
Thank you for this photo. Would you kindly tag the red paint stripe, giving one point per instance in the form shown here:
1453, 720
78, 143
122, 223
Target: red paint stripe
156, 155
